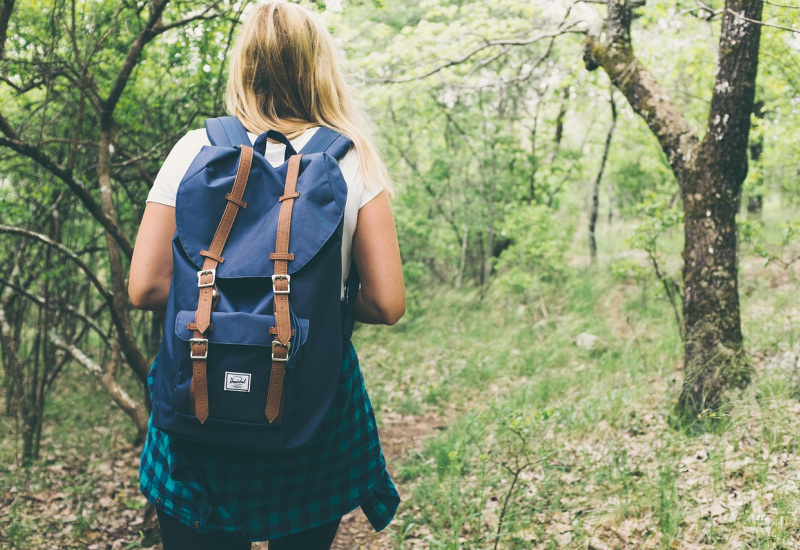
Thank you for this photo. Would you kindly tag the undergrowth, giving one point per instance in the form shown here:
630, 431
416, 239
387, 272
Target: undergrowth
555, 414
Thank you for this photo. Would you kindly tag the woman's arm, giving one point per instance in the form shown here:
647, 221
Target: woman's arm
151, 266
382, 296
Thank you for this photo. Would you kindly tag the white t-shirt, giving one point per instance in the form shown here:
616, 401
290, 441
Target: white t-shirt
165, 187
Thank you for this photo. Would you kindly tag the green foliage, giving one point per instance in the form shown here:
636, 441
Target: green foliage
534, 264
777, 245
658, 218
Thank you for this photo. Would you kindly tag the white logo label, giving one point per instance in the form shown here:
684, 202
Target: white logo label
237, 381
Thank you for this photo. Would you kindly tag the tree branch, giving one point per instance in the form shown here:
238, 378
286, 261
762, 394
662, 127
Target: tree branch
41, 302
644, 93
762, 23
200, 16
131, 59
568, 29
133, 409
129, 346
64, 250
157, 148
13, 142
777, 5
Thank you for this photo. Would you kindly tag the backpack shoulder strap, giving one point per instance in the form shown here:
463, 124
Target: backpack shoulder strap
328, 141
227, 131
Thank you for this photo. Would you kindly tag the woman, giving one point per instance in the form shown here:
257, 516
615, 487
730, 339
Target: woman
284, 75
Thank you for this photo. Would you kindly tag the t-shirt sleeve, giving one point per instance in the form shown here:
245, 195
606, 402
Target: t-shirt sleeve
165, 186
351, 170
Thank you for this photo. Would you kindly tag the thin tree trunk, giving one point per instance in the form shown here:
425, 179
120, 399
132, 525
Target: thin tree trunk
596, 188
13, 367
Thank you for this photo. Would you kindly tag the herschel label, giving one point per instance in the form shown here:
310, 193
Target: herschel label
237, 381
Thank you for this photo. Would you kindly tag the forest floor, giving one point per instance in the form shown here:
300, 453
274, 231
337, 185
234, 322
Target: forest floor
70, 502
507, 422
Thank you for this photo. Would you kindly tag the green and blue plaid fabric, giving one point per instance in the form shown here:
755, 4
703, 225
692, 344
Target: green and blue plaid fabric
255, 495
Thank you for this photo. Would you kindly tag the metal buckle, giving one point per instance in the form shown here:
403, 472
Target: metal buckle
212, 272
198, 341
288, 348
288, 283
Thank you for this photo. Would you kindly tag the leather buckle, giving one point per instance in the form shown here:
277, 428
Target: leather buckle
288, 279
193, 341
288, 347
212, 272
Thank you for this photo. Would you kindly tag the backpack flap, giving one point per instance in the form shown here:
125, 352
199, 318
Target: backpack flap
318, 211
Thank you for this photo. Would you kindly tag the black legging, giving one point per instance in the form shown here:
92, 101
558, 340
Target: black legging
177, 536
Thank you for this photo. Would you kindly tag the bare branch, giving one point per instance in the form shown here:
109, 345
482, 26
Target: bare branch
777, 5
13, 142
157, 147
762, 23
568, 29
201, 16
131, 59
129, 346
65, 251
133, 409
108, 32
44, 303
709, 13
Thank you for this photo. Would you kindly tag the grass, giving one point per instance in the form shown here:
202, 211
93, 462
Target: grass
603, 466
548, 444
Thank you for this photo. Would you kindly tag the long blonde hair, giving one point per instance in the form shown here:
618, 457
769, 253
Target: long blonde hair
285, 75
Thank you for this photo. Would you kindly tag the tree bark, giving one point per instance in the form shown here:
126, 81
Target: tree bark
710, 174
596, 188
711, 195
5, 16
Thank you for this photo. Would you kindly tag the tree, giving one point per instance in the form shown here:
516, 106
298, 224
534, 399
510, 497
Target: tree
710, 171
85, 118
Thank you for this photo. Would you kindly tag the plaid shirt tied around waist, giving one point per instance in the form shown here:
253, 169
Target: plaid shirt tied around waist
258, 495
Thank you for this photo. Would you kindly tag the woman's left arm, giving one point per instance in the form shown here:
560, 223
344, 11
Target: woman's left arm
151, 266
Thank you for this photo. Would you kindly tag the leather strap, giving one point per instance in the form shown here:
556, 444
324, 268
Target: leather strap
206, 281
280, 289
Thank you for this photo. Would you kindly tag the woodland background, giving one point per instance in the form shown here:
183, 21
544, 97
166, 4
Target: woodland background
598, 214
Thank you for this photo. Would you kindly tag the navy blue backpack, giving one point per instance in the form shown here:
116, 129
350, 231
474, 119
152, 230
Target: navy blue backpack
252, 345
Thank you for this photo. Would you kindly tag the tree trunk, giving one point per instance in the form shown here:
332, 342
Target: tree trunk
14, 371
711, 195
710, 174
596, 188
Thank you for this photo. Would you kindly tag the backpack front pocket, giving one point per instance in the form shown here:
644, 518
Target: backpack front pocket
238, 368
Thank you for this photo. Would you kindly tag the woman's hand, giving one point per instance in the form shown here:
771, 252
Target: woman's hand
151, 266
382, 296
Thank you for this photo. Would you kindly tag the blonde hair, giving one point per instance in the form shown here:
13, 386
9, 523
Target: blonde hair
285, 75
